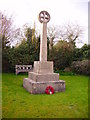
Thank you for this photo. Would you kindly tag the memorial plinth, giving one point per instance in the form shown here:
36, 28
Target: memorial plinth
42, 75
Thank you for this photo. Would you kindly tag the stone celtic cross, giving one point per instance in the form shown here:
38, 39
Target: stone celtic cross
44, 18
42, 74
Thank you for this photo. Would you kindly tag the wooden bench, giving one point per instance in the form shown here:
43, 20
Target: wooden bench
23, 68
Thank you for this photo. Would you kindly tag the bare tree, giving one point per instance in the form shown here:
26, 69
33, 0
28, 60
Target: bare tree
5, 30
69, 32
73, 33
52, 34
8, 33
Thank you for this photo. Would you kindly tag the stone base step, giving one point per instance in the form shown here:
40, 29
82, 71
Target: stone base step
39, 87
43, 77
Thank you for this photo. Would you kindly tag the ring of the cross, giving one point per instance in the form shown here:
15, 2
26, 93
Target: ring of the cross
44, 17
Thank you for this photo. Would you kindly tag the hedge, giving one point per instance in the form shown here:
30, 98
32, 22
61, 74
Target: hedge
81, 67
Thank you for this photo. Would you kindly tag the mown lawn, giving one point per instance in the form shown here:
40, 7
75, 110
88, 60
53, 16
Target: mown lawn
18, 103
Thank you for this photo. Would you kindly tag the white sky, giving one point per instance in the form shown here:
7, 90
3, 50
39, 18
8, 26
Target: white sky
61, 12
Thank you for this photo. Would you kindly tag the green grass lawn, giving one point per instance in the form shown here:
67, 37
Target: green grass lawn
18, 103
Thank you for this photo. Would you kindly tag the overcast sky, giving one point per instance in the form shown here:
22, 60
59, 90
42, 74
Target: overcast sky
61, 12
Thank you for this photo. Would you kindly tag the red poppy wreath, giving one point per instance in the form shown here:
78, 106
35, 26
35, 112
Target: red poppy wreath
49, 90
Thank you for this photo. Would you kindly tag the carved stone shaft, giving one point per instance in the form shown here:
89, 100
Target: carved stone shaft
44, 18
43, 43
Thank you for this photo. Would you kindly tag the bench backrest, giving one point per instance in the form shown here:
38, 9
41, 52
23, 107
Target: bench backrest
23, 68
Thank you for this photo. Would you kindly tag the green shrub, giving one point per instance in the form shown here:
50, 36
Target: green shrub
61, 55
81, 67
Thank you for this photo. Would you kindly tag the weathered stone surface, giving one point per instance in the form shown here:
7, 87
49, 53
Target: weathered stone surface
43, 77
44, 17
39, 87
43, 67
